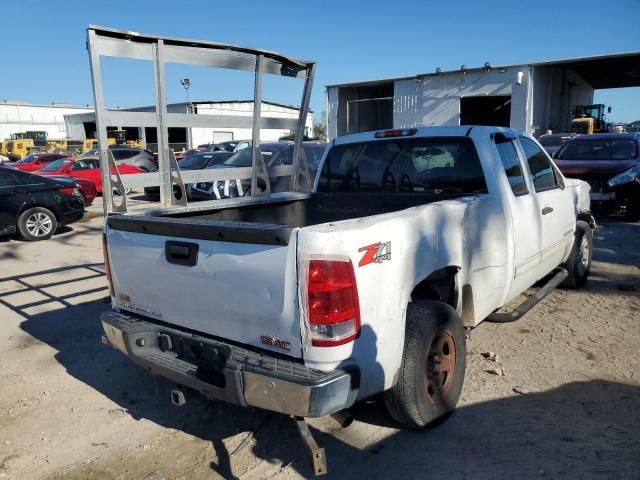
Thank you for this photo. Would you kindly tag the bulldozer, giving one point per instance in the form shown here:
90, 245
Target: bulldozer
114, 137
589, 119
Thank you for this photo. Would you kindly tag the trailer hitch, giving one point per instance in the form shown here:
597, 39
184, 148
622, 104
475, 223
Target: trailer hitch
318, 457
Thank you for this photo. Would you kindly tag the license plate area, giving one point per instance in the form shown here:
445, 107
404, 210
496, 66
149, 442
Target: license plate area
208, 358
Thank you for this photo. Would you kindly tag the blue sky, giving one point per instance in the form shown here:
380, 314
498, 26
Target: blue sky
42, 45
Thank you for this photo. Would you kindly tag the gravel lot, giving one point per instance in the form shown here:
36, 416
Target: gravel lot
567, 406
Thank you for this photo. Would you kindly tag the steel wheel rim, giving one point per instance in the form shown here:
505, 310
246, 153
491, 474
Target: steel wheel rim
441, 367
583, 256
39, 224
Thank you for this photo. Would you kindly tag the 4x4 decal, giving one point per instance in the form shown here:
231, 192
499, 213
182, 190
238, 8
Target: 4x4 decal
376, 253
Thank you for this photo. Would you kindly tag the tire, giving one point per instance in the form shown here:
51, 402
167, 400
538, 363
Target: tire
37, 223
579, 262
421, 397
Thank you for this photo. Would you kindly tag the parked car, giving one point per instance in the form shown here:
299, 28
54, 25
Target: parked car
87, 189
36, 206
274, 154
86, 167
193, 161
306, 304
553, 141
610, 163
143, 159
35, 161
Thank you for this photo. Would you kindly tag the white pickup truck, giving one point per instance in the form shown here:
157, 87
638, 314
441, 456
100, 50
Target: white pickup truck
306, 303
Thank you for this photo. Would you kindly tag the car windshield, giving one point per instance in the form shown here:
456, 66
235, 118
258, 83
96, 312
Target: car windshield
193, 161
553, 140
27, 159
55, 165
270, 153
598, 149
90, 153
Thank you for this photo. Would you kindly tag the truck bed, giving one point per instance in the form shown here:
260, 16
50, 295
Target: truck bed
271, 223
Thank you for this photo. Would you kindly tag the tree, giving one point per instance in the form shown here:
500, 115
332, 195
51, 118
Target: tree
320, 127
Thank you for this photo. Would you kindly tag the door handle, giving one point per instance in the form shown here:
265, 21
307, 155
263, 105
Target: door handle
181, 253
547, 210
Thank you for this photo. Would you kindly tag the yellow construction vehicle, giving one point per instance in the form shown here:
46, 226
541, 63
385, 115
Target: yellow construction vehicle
3, 147
92, 143
19, 146
589, 119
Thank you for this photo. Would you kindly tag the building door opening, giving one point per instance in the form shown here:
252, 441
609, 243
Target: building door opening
486, 110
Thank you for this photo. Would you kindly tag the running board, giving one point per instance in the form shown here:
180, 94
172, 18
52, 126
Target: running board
528, 304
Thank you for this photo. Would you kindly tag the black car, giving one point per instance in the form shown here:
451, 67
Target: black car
193, 161
273, 153
36, 206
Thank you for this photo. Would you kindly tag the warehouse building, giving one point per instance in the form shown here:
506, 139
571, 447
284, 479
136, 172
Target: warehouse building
17, 116
533, 97
81, 126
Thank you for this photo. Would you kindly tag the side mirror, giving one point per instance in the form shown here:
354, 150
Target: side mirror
609, 110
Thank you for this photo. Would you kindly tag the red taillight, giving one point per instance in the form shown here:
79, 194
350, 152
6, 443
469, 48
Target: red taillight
332, 303
68, 190
402, 132
107, 269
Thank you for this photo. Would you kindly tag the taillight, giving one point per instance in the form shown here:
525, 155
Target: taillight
107, 269
402, 132
73, 191
332, 303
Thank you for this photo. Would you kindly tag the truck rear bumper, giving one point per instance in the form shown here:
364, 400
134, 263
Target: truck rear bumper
222, 371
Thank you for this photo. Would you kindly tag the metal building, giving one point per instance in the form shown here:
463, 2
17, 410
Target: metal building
83, 126
18, 116
533, 97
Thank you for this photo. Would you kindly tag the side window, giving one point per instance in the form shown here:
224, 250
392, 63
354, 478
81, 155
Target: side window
542, 172
511, 164
8, 180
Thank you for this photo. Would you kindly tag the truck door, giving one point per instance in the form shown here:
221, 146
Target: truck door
10, 199
526, 217
555, 205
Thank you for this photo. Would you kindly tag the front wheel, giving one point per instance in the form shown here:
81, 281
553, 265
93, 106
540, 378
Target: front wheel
578, 264
433, 366
37, 224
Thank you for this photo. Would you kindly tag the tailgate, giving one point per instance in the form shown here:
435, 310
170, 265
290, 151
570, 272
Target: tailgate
241, 285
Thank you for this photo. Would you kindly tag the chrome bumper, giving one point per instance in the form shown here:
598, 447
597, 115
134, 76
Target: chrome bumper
222, 371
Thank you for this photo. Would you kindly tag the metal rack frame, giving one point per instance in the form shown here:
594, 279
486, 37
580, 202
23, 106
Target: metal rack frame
108, 42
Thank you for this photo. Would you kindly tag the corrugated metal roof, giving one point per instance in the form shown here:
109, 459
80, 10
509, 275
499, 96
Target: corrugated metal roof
601, 71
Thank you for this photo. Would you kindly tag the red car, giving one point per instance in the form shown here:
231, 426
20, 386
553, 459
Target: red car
85, 168
35, 161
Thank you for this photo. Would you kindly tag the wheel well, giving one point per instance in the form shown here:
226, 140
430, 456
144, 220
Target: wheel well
439, 286
587, 217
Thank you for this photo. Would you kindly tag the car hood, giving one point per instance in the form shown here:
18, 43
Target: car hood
574, 168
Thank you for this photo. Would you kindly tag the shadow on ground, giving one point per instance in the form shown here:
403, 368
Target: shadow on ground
580, 430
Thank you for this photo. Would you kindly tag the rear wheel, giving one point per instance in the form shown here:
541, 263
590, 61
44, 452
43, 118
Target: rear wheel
37, 224
433, 366
578, 264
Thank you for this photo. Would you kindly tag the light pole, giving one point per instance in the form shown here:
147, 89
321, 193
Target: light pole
186, 83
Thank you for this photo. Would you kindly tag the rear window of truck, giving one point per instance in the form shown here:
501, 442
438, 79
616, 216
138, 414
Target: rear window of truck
418, 165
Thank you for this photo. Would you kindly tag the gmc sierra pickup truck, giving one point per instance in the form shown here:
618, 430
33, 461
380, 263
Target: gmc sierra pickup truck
306, 303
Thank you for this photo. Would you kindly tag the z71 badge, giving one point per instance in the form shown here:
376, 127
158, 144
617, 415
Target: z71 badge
376, 253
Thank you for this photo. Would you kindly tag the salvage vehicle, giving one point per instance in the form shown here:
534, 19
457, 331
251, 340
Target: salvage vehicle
87, 168
274, 153
36, 206
610, 163
35, 161
141, 158
553, 141
358, 282
193, 161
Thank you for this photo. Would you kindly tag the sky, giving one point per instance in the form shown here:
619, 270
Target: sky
45, 59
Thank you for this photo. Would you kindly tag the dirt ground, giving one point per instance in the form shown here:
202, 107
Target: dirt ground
567, 406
